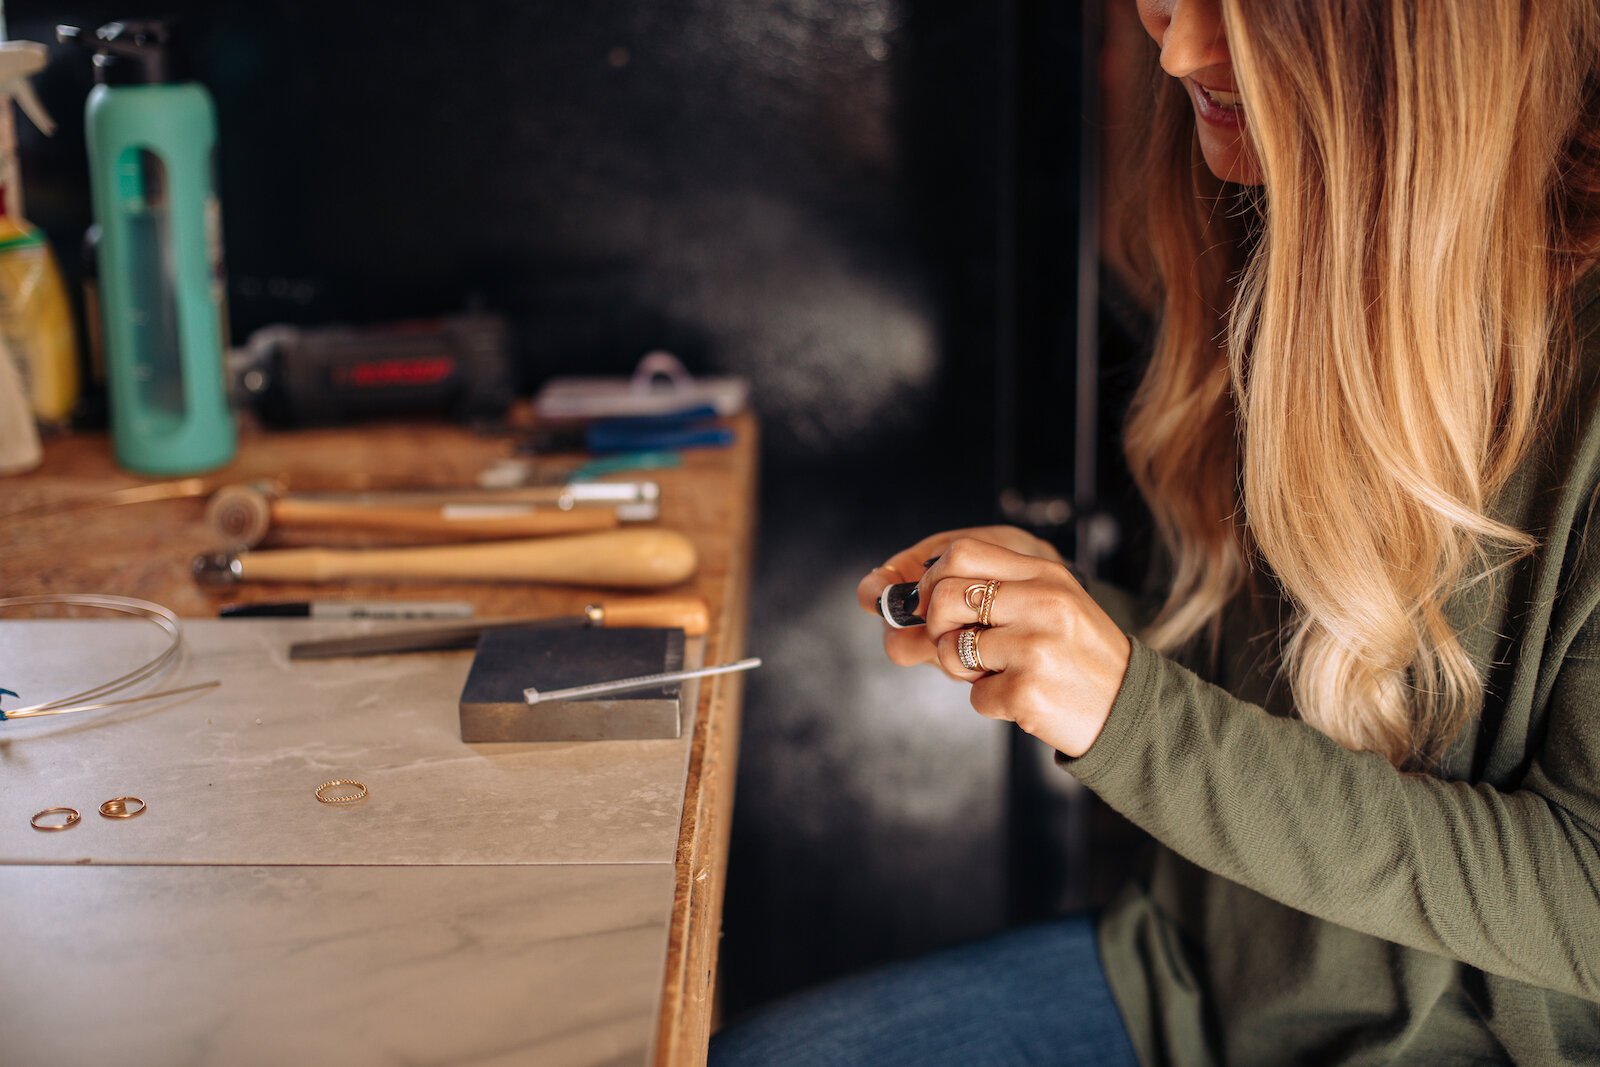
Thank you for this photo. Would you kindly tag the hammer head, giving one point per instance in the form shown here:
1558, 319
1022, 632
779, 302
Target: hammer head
241, 514
217, 569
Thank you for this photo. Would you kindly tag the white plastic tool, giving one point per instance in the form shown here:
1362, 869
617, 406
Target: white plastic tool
660, 385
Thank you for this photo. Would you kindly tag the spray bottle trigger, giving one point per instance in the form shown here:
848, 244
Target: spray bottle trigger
28, 100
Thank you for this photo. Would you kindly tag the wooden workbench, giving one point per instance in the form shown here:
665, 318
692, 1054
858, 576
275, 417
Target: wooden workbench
145, 550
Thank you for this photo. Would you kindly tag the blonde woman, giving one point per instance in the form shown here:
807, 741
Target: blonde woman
1364, 721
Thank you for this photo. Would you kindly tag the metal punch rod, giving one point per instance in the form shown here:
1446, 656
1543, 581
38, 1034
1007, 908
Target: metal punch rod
643, 681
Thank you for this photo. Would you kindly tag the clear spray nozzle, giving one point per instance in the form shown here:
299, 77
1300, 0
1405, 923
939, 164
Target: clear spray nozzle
19, 61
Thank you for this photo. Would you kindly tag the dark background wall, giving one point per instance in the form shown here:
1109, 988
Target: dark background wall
803, 192
772, 188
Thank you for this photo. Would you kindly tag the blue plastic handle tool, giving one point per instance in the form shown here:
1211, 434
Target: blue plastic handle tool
619, 439
680, 429
672, 420
627, 461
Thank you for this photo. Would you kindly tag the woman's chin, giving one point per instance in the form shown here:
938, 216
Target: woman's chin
1232, 162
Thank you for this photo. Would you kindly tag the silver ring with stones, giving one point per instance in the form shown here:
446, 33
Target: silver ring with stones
967, 650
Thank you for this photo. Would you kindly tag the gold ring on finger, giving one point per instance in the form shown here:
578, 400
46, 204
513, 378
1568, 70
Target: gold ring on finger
967, 650
986, 603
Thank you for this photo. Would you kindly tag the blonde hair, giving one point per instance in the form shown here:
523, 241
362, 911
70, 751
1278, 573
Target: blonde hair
1354, 359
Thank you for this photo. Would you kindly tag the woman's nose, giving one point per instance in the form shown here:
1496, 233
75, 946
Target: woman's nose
1190, 34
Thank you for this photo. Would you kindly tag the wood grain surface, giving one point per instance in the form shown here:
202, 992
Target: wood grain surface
57, 537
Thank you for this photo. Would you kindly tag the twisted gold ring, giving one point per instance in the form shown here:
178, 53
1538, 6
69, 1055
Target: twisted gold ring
117, 808
347, 783
979, 596
71, 814
986, 609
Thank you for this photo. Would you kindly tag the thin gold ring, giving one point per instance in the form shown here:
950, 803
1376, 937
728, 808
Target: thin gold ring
71, 814
348, 782
974, 595
117, 808
986, 607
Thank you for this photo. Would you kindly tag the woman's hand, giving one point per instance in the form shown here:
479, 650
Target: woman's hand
1055, 660
910, 647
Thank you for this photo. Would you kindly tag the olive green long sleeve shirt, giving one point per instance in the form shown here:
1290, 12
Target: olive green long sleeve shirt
1311, 904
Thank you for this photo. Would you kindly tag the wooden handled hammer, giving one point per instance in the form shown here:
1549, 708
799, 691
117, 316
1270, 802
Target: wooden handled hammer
613, 559
243, 514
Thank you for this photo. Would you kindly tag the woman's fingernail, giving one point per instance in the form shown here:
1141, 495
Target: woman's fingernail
929, 562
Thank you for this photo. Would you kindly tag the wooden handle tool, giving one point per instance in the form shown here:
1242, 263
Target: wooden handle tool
244, 514
474, 520
614, 559
686, 613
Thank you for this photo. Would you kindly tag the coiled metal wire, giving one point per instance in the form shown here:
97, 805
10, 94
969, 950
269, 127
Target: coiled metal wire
93, 699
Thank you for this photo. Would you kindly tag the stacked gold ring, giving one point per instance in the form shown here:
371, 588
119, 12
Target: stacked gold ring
117, 808
347, 782
979, 596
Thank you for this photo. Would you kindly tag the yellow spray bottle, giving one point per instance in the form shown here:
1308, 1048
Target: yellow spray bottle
35, 318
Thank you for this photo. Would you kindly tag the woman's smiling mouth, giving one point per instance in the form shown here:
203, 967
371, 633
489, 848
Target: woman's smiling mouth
1218, 107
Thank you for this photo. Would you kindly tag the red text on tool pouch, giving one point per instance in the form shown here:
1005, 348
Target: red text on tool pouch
395, 372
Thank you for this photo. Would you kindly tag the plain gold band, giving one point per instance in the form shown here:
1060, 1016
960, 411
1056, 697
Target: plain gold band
71, 814
350, 782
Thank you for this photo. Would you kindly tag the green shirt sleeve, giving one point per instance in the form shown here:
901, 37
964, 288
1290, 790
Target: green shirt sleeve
1127, 609
1505, 881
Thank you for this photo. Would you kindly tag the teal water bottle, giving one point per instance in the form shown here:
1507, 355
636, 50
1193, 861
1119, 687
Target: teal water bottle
152, 135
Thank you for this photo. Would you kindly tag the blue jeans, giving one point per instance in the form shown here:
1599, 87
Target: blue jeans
1031, 996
